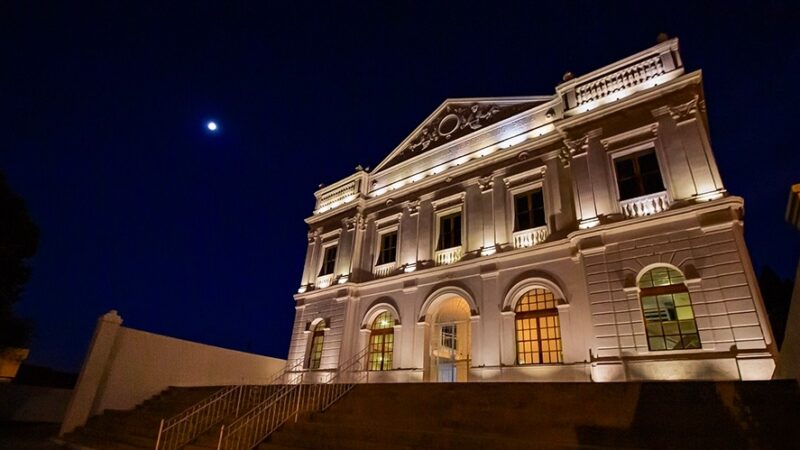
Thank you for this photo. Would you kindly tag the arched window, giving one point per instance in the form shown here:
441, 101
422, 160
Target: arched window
317, 340
381, 342
538, 332
667, 308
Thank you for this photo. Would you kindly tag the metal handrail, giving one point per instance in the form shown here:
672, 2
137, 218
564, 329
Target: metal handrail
176, 431
253, 427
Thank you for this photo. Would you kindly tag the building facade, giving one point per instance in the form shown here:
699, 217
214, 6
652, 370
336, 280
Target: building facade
579, 236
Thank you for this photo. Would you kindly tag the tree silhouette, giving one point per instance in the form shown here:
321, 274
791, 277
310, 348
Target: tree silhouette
19, 239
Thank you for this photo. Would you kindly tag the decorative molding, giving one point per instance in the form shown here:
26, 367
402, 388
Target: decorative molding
571, 147
486, 183
686, 110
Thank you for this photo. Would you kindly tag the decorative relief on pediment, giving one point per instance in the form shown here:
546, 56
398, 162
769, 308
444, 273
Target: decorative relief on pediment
454, 121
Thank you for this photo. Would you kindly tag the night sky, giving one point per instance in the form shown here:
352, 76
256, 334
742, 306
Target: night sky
201, 236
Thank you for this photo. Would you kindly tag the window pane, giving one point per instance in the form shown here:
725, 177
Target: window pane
657, 344
667, 309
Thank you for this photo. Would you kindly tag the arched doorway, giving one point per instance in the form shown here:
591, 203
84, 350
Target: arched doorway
450, 339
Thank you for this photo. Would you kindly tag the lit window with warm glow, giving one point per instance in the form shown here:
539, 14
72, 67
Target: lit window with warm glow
537, 327
667, 309
317, 341
381, 342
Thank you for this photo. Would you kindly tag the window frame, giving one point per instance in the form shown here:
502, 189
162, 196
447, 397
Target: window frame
537, 315
518, 184
314, 354
383, 352
383, 234
631, 151
528, 193
445, 212
324, 259
670, 289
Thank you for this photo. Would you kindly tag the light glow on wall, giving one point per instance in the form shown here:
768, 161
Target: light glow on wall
488, 251
343, 279
301, 289
410, 267
589, 223
708, 196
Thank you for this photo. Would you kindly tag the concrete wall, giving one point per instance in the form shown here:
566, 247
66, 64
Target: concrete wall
124, 367
19, 403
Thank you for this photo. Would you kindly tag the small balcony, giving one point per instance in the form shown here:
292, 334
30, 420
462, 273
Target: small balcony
384, 270
448, 256
324, 281
530, 237
645, 205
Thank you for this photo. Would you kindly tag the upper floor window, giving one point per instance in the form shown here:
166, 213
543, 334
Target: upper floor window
329, 261
667, 309
449, 231
529, 210
638, 175
388, 253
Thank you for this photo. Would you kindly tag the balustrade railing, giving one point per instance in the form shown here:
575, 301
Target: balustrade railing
384, 270
324, 281
645, 205
530, 237
625, 78
336, 197
176, 431
256, 425
448, 256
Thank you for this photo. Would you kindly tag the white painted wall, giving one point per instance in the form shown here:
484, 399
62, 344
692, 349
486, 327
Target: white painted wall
124, 367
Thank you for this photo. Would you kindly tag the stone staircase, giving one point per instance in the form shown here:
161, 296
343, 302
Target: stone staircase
680, 415
138, 428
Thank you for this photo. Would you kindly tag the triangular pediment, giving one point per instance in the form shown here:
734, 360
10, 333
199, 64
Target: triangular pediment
456, 118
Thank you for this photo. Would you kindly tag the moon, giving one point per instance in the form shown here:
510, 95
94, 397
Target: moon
212, 126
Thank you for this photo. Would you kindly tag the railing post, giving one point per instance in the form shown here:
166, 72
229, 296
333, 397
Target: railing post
238, 401
160, 430
221, 433
297, 405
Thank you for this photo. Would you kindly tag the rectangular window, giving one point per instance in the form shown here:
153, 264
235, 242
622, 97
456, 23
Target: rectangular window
449, 231
529, 210
329, 262
449, 338
388, 252
638, 175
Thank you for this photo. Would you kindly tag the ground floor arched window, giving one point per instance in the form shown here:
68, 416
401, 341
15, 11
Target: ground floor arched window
667, 310
317, 341
537, 327
381, 342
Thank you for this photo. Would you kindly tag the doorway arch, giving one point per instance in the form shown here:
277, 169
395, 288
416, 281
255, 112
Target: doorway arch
448, 314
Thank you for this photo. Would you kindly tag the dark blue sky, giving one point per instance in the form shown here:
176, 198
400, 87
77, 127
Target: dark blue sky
202, 237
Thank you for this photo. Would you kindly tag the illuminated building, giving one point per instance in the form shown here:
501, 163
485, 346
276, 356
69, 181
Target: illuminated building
583, 235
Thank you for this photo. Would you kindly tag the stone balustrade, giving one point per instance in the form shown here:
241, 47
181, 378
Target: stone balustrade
625, 78
336, 197
384, 270
448, 256
324, 281
645, 205
530, 237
